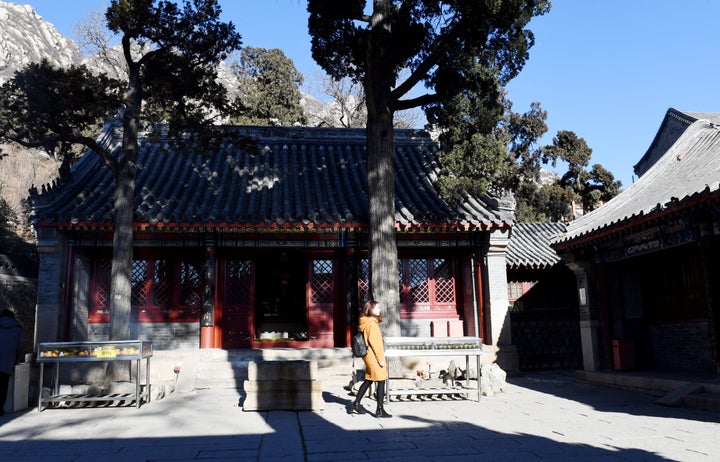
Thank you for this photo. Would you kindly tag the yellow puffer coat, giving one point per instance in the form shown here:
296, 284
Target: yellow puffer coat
370, 328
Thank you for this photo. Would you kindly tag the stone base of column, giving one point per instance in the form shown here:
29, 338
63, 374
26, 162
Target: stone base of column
508, 359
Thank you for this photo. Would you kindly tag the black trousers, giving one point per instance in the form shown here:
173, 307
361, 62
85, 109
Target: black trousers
4, 382
380, 391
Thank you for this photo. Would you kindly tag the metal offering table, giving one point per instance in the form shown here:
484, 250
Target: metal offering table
436, 346
87, 352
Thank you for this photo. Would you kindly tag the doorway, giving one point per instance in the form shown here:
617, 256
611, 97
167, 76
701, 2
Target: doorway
280, 305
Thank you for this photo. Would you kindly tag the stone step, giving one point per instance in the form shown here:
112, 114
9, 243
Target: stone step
705, 400
694, 395
678, 395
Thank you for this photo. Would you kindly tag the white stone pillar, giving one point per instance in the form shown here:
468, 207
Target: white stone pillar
51, 276
590, 327
497, 310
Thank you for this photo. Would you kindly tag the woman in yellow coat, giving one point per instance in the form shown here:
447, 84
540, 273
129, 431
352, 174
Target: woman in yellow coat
375, 365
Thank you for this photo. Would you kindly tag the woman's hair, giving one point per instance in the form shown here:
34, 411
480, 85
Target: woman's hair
367, 309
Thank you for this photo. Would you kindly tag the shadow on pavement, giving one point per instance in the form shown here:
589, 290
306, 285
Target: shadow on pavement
604, 398
210, 425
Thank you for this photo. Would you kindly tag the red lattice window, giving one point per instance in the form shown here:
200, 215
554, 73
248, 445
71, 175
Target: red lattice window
322, 282
444, 281
100, 292
517, 289
415, 277
426, 284
190, 284
162, 284
364, 282
240, 282
162, 290
140, 288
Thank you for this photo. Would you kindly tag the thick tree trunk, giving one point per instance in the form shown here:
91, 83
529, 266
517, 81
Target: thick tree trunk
121, 289
121, 270
383, 249
379, 81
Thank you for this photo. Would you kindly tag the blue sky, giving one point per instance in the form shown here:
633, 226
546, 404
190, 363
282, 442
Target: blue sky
607, 70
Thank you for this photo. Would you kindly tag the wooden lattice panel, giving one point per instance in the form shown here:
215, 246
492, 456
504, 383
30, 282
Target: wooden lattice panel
162, 283
190, 284
547, 340
322, 282
364, 282
240, 282
415, 277
138, 281
444, 281
102, 285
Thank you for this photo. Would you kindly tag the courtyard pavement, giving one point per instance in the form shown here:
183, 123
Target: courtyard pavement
539, 417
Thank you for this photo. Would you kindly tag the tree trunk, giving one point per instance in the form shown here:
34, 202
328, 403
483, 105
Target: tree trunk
383, 249
121, 270
379, 81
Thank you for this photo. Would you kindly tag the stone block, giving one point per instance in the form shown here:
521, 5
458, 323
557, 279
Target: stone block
289, 395
18, 389
455, 328
283, 385
439, 328
283, 370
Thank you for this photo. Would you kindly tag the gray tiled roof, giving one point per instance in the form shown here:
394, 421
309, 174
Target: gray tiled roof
672, 127
688, 171
529, 246
302, 177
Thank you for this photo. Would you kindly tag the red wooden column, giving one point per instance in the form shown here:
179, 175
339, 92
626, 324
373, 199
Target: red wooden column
479, 296
207, 319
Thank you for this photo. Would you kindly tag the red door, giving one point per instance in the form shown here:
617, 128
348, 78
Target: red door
236, 325
320, 301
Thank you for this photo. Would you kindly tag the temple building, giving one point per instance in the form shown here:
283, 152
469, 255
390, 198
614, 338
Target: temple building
266, 246
647, 263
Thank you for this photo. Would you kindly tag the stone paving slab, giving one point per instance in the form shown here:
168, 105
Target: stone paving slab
543, 417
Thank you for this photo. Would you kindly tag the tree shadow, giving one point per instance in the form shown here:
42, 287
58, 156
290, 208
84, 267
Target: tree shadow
210, 424
607, 399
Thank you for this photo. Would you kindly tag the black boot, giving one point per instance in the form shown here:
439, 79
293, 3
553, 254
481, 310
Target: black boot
380, 413
357, 409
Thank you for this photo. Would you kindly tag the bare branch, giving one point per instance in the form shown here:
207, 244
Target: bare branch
417, 75
94, 40
86, 141
419, 101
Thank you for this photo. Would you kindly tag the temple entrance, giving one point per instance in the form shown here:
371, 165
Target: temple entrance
237, 283
280, 296
276, 297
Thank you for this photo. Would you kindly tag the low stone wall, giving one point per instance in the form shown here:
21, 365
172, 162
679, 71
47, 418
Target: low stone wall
683, 347
164, 335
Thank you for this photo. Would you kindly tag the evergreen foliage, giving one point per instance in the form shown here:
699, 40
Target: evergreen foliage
461, 52
511, 159
171, 51
269, 86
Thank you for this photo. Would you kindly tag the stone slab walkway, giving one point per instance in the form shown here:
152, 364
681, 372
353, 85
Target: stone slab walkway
543, 417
